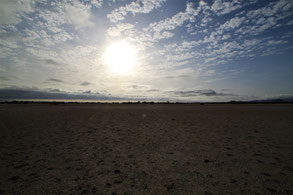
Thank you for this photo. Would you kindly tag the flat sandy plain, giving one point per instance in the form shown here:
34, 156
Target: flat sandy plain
146, 149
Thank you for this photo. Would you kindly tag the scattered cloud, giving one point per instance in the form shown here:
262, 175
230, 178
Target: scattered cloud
119, 28
96, 3
202, 92
11, 11
78, 14
138, 6
177, 77
184, 47
55, 80
137, 86
85, 83
4, 78
233, 23
52, 62
224, 7
160, 30
49, 93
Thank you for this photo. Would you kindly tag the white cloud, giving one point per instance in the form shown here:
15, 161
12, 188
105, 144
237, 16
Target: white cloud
5, 52
9, 42
249, 43
61, 37
39, 38
180, 56
158, 30
42, 53
97, 3
187, 45
8, 28
49, 21
220, 43
138, 6
233, 23
118, 29
30, 35
267, 17
78, 14
12, 10
276, 42
154, 31
224, 7
92, 3
66, 12
54, 37
272, 9
290, 22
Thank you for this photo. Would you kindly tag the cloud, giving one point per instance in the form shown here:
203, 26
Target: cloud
51, 18
96, 3
267, 17
117, 30
224, 7
271, 9
138, 6
6, 52
290, 22
51, 23
9, 42
85, 83
233, 23
78, 14
235, 38
68, 38
4, 78
49, 93
202, 92
55, 80
42, 53
51, 62
153, 90
159, 30
53, 90
220, 43
138, 86
11, 11
276, 42
177, 77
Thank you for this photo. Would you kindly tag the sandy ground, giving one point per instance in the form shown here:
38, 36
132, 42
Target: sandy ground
146, 149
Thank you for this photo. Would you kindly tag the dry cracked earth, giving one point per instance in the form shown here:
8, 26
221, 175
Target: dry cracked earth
146, 149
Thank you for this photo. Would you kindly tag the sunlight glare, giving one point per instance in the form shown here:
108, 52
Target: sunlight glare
120, 57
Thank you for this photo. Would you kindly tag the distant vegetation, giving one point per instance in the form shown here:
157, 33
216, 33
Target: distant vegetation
279, 101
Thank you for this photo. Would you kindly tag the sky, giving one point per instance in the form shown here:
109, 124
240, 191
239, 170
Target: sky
162, 50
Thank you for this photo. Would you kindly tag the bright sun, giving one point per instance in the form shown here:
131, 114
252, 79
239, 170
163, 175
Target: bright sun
120, 57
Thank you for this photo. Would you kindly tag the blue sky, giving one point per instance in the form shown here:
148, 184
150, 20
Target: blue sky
184, 50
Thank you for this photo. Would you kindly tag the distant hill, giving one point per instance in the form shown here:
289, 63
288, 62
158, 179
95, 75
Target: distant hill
288, 99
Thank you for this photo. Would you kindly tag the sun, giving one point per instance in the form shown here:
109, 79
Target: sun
120, 57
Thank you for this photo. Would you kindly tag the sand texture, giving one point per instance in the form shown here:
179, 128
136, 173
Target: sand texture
146, 149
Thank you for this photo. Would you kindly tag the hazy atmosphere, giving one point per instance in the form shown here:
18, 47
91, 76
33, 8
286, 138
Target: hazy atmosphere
146, 49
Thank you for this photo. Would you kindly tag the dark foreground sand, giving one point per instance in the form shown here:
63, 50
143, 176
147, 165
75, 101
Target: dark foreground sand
146, 149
